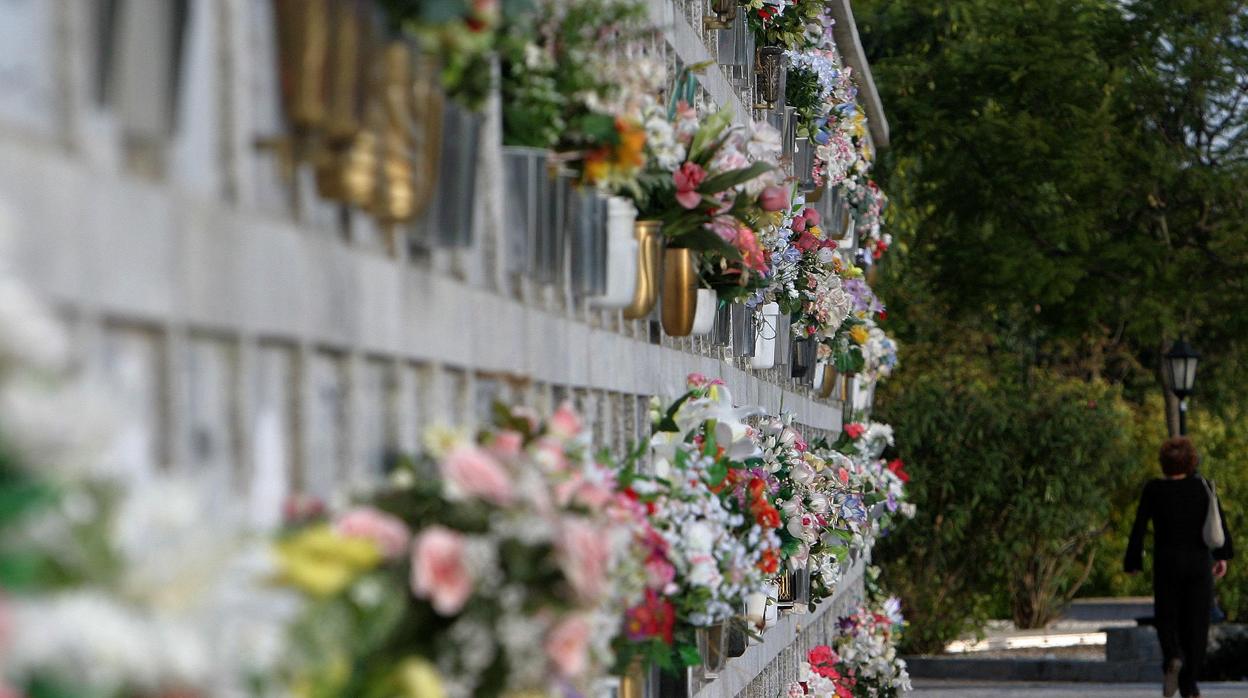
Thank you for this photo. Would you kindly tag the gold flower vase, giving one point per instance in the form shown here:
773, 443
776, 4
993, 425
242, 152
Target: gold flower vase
828, 385
649, 261
633, 682
680, 291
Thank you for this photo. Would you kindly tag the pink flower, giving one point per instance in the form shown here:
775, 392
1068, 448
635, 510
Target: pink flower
302, 508
474, 472
774, 198
506, 444
565, 423
806, 242
751, 251
659, 572
854, 430
389, 533
799, 224
585, 555
439, 572
687, 180
811, 216
567, 646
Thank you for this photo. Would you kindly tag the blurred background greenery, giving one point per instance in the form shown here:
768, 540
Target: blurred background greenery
1069, 183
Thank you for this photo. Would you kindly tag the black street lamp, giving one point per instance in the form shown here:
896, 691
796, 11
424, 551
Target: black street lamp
1181, 362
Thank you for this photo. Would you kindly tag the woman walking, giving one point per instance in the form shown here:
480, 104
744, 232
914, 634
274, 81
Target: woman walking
1184, 566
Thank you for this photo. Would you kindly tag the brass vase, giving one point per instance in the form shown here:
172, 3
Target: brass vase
828, 385
649, 261
395, 199
633, 682
303, 51
680, 291
346, 169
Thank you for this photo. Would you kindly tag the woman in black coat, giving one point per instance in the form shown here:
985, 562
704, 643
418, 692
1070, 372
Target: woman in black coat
1183, 566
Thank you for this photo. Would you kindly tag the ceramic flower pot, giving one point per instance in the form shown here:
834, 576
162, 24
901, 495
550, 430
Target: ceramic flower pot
744, 328
621, 257
769, 72
756, 609
648, 235
723, 13
680, 291
765, 340
705, 312
712, 648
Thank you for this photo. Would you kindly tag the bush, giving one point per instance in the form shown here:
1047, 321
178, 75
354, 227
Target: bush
1010, 472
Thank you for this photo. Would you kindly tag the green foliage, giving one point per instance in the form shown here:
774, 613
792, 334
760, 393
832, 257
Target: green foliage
1008, 471
1068, 189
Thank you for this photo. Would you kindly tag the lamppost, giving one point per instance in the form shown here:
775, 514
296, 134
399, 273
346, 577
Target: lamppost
1181, 362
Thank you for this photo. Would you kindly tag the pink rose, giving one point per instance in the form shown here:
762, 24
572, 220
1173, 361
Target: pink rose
585, 556
687, 180
799, 224
811, 216
506, 444
389, 533
439, 572
567, 646
474, 472
806, 242
774, 198
751, 251
565, 423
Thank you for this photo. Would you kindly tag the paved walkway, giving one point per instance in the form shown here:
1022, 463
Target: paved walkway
932, 688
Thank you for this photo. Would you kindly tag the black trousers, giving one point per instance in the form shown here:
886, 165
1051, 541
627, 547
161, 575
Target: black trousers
1182, 601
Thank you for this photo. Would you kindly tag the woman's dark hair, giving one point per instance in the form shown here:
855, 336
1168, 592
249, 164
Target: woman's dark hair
1178, 456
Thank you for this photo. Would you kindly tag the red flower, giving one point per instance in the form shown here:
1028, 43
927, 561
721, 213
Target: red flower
770, 562
898, 467
883, 314
854, 430
767, 516
653, 618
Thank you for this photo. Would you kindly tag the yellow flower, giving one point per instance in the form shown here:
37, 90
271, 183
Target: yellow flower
814, 461
852, 273
816, 231
418, 678
859, 334
328, 679
320, 562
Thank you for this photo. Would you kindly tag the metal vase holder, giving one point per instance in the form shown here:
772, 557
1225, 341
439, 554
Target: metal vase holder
721, 333
451, 212
784, 339
587, 236
528, 205
712, 648
804, 164
744, 330
736, 52
769, 76
788, 141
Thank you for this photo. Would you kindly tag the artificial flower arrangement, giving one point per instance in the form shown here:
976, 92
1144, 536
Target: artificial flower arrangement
869, 204
463, 33
111, 587
793, 24
807, 284
556, 84
509, 572
711, 185
715, 540
862, 661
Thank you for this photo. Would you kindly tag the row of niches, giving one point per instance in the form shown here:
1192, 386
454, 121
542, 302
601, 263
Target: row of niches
266, 419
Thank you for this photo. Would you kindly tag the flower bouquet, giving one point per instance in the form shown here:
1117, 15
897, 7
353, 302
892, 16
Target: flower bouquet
793, 24
715, 529
507, 573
